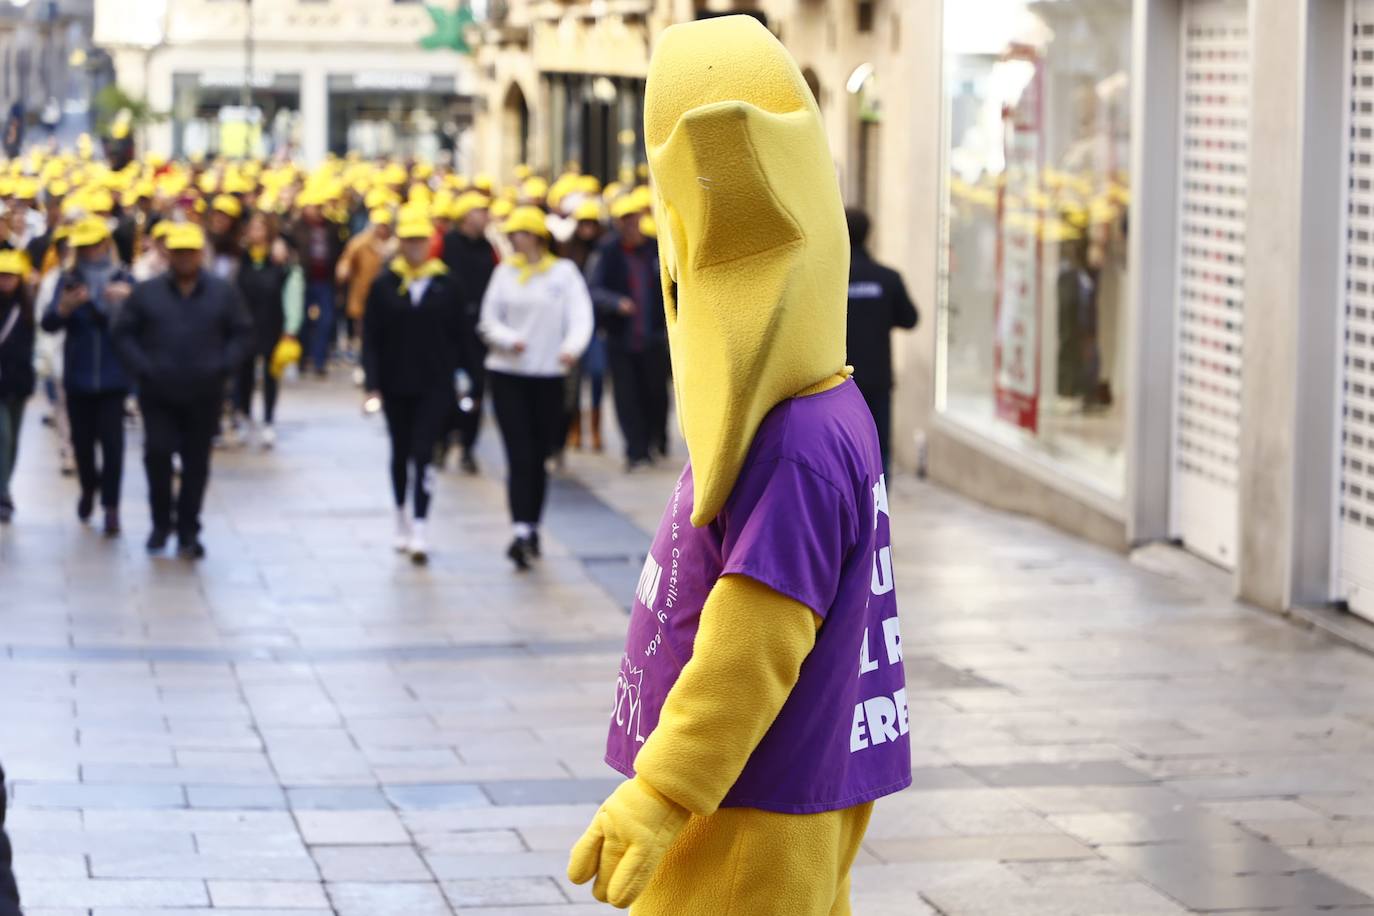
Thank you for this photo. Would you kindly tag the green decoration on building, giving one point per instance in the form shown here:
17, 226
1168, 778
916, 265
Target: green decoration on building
449, 28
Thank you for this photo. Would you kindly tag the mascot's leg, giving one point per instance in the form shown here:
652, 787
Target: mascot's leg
745, 862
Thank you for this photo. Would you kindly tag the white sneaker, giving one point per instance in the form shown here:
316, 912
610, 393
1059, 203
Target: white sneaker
402, 541
267, 436
419, 550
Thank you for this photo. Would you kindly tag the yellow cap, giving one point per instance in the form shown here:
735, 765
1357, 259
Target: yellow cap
58, 188
522, 172
286, 352
466, 203
588, 210
229, 205
415, 227
483, 182
647, 227
588, 184
98, 201
161, 228
535, 188
502, 208
422, 171
14, 262
612, 190
185, 237
90, 231
381, 196
26, 189
395, 174
627, 206
526, 219
380, 216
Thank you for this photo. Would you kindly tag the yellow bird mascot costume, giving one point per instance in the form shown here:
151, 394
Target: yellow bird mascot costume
760, 707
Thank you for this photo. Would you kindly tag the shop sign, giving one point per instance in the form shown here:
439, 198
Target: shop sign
1016, 347
391, 81
233, 79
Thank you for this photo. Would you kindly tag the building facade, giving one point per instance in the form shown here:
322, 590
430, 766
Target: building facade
47, 68
1143, 228
319, 76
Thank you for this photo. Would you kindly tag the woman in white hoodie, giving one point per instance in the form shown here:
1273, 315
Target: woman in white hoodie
537, 321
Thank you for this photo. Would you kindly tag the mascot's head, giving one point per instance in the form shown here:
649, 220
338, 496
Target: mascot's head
752, 237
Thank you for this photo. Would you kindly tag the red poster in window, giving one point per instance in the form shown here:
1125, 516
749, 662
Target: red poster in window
1016, 336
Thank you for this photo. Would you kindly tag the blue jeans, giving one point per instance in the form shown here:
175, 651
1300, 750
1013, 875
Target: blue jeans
319, 322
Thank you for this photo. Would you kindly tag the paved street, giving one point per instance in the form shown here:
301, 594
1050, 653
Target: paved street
306, 724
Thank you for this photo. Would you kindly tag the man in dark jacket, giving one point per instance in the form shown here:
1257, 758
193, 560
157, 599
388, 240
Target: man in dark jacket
88, 299
9, 890
624, 282
877, 303
470, 260
181, 335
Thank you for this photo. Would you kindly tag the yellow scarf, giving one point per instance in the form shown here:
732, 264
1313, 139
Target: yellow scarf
527, 270
401, 268
258, 255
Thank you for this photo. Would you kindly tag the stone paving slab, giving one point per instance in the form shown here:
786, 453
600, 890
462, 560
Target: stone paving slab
307, 724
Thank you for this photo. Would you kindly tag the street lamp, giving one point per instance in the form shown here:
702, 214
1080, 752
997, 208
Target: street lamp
246, 96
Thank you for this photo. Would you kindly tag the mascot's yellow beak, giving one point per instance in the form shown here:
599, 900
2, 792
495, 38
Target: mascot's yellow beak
752, 238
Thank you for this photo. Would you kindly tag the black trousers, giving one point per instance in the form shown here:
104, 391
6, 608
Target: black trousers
185, 429
243, 389
98, 419
9, 890
640, 386
469, 423
529, 410
880, 405
415, 424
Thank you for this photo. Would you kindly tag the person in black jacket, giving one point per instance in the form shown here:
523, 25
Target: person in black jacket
470, 260
89, 298
411, 342
182, 334
877, 303
9, 889
16, 367
272, 290
626, 290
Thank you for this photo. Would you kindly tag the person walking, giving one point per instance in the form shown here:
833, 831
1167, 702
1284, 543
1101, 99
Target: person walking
274, 292
9, 888
16, 366
182, 335
471, 261
878, 303
317, 242
537, 321
89, 299
410, 352
624, 280
362, 261
587, 234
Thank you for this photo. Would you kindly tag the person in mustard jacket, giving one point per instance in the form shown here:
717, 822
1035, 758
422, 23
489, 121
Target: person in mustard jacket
760, 708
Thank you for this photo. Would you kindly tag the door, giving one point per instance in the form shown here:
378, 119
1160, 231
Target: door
1356, 555
1210, 297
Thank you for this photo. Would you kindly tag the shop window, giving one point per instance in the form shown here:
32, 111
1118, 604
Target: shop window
1033, 323
863, 13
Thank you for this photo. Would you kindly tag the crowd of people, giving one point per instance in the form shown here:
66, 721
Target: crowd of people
177, 294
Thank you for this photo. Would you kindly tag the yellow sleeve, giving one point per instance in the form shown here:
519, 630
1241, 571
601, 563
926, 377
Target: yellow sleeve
750, 646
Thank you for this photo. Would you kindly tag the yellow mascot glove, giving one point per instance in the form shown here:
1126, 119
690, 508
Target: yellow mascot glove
626, 841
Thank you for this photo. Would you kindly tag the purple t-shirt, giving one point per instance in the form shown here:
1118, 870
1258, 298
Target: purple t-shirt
808, 518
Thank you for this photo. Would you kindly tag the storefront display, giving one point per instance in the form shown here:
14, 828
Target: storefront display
208, 117
597, 122
1033, 308
396, 113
